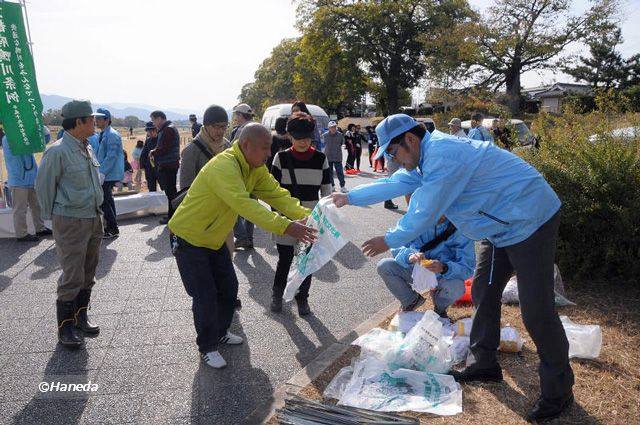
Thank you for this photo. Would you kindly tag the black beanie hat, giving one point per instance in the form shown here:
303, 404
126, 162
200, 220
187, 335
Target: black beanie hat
301, 126
214, 114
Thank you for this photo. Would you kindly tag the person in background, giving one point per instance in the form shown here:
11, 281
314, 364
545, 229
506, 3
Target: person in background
130, 132
502, 134
150, 144
279, 141
333, 141
452, 259
204, 263
135, 163
70, 195
242, 115
94, 141
455, 128
392, 167
22, 170
243, 230
111, 159
372, 140
304, 172
478, 131
358, 141
350, 144
128, 174
166, 157
316, 140
195, 126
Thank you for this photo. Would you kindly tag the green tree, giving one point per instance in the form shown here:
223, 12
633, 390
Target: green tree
605, 68
327, 75
386, 35
273, 78
517, 36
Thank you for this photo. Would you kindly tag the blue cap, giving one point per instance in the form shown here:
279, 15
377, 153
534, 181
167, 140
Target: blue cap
390, 127
104, 113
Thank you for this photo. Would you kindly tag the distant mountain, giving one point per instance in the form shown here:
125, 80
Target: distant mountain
118, 110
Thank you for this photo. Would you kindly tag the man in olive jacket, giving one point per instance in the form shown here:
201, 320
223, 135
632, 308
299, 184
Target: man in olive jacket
227, 182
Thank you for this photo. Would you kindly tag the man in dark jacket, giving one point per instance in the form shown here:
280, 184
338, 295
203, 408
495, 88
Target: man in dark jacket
149, 144
166, 157
195, 125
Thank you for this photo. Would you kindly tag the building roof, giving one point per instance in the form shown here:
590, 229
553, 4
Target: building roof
557, 90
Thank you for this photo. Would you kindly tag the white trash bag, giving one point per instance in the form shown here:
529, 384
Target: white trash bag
424, 348
510, 293
332, 228
463, 326
405, 320
423, 279
585, 341
336, 387
379, 343
375, 387
510, 341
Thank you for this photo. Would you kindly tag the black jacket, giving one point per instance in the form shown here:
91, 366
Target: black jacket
149, 144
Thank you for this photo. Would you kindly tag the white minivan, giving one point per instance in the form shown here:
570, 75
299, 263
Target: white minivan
272, 113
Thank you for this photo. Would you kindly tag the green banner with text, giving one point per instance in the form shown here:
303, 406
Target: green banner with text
20, 103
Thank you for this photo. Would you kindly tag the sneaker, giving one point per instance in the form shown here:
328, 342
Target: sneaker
344, 190
276, 304
547, 409
390, 205
44, 232
231, 339
417, 303
243, 244
28, 238
303, 308
109, 234
474, 374
213, 359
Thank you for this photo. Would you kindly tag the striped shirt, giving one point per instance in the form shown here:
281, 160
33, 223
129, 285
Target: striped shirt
311, 172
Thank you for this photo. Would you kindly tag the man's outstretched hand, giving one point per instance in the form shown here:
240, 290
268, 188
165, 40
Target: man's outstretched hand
375, 246
340, 199
301, 232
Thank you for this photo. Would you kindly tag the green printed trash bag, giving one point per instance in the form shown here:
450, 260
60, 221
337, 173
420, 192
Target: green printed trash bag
332, 228
374, 386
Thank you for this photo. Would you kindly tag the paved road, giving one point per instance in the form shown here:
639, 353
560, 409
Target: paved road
145, 361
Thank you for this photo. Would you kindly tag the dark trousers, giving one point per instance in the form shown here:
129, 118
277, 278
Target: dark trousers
109, 207
337, 165
151, 178
358, 156
167, 179
285, 258
532, 260
210, 280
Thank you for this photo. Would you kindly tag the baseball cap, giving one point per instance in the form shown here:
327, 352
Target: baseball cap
455, 121
243, 108
390, 127
149, 126
332, 124
77, 109
104, 113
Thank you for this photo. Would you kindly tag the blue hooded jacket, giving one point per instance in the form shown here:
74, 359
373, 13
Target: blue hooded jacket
480, 133
21, 169
110, 155
485, 191
457, 252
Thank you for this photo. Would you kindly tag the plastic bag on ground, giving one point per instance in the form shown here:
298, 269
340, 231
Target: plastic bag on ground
510, 341
585, 341
424, 348
510, 293
378, 343
336, 387
405, 320
460, 348
332, 226
373, 386
463, 326
423, 279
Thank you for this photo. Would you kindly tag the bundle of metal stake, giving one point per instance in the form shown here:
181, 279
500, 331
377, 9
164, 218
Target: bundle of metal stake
302, 411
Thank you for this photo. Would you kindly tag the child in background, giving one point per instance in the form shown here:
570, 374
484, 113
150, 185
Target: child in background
128, 173
135, 163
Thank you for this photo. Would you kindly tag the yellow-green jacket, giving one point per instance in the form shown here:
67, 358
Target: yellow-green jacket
221, 192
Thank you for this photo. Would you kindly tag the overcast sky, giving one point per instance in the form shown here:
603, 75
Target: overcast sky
182, 54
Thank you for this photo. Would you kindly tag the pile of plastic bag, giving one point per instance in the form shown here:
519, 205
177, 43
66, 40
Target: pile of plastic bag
510, 293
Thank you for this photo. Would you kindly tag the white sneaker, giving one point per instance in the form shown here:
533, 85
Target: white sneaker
344, 190
213, 359
231, 339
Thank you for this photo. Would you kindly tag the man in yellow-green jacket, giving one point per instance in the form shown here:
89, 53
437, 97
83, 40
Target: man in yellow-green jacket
221, 192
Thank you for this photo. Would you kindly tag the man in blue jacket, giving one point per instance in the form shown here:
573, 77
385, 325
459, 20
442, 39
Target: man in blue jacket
495, 197
452, 260
478, 131
111, 158
22, 171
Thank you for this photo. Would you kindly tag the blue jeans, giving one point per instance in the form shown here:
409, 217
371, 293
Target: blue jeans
398, 280
339, 171
243, 230
210, 280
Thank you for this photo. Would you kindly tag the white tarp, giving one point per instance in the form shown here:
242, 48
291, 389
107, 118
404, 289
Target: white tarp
138, 205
